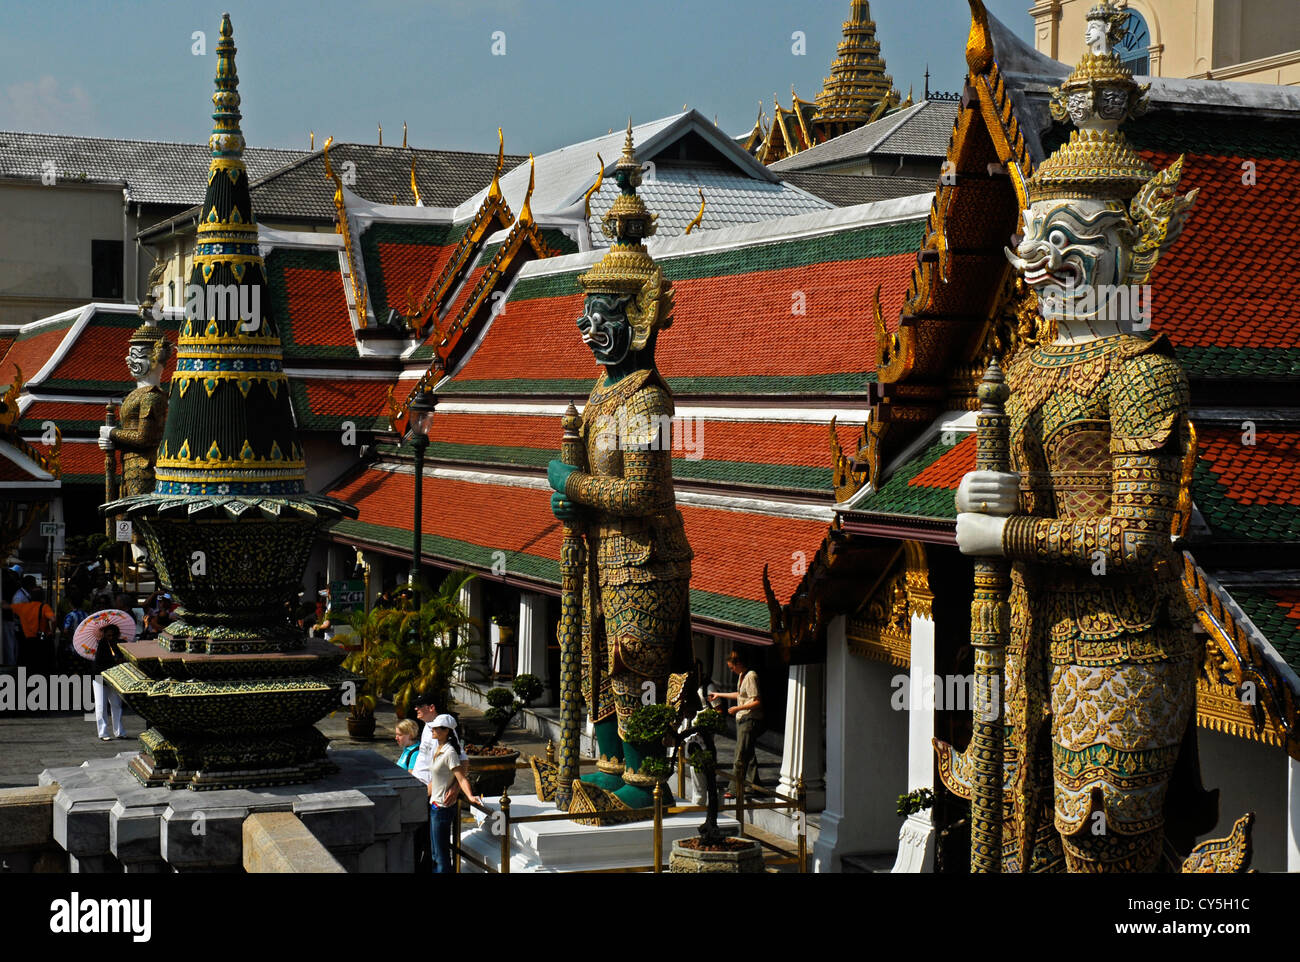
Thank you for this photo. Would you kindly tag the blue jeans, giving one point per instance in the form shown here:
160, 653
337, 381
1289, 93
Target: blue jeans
441, 822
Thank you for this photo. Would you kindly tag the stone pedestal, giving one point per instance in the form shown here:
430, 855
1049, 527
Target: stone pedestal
365, 815
532, 642
565, 846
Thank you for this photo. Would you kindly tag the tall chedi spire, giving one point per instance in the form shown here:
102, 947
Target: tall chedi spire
858, 86
231, 689
230, 429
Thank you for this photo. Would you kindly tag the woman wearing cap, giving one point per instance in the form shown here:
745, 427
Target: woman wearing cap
447, 777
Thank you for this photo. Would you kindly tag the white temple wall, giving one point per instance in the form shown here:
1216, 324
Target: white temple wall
866, 756
1250, 777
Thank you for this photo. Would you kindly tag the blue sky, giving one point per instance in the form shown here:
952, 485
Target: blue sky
571, 68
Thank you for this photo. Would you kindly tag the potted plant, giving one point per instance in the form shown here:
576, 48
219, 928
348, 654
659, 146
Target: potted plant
645, 750
407, 651
491, 765
712, 850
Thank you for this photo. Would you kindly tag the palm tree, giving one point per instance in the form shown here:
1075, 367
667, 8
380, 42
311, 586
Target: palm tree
410, 651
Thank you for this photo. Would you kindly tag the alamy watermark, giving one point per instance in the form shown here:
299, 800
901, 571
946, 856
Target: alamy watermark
37, 692
1128, 303
217, 302
649, 432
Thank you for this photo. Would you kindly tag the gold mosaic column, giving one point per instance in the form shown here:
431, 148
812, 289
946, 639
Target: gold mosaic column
989, 630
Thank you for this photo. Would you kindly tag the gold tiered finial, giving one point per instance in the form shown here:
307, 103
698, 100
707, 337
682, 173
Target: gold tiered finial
628, 222
627, 268
1098, 163
1099, 95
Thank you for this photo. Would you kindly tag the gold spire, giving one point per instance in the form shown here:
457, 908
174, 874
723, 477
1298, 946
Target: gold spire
381, 135
526, 212
415, 190
311, 140
600, 179
858, 82
494, 191
698, 217
403, 133
979, 45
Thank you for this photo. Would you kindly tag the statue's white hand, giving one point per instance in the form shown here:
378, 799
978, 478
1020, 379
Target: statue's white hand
980, 534
105, 443
988, 492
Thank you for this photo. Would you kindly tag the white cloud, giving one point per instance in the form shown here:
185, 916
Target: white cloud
45, 105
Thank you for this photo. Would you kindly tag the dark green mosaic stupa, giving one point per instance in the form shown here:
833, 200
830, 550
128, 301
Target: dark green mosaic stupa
231, 689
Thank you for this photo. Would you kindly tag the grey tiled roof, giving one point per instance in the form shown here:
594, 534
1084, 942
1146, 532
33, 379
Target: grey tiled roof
155, 172
845, 190
731, 198
445, 178
922, 130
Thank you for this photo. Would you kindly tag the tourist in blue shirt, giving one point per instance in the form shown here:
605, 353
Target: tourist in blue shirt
407, 736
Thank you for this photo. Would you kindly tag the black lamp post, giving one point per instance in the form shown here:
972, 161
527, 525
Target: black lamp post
421, 417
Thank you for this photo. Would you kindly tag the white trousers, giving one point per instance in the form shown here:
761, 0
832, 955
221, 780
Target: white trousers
106, 700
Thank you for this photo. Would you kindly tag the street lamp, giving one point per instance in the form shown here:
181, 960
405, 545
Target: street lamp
421, 418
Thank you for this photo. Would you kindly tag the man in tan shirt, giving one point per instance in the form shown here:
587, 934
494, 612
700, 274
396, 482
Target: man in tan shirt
748, 712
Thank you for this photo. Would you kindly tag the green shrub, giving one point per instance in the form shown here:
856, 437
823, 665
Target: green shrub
650, 723
527, 688
500, 698
654, 767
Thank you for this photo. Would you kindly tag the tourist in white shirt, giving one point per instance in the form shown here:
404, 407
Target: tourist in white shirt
448, 777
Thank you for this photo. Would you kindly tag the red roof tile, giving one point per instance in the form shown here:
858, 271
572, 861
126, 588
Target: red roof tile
346, 396
533, 338
407, 269
743, 441
714, 315
1267, 472
99, 354
318, 310
1289, 600
9, 471
951, 466
32, 353
730, 547
1223, 284
77, 458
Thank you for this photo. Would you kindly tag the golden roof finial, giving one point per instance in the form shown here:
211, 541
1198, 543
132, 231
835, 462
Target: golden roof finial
381, 135
311, 140
629, 152
526, 212
414, 188
494, 192
600, 179
329, 171
979, 43
403, 133
698, 217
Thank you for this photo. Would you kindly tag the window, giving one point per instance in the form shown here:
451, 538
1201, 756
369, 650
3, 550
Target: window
1134, 47
106, 269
